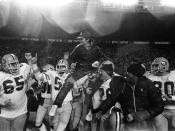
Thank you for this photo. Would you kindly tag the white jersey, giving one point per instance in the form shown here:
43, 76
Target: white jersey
105, 86
101, 93
167, 85
14, 89
57, 88
45, 80
55, 83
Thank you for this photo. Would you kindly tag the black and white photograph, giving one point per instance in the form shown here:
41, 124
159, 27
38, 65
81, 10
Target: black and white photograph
87, 65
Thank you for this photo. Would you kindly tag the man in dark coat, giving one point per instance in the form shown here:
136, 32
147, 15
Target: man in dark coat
140, 100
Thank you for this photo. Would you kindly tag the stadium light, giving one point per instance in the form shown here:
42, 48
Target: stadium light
170, 3
120, 2
43, 3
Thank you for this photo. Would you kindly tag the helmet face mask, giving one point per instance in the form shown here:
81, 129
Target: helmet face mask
10, 64
62, 67
160, 66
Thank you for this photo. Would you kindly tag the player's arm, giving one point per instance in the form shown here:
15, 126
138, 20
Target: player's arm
67, 86
40, 77
35, 68
3, 101
73, 56
116, 87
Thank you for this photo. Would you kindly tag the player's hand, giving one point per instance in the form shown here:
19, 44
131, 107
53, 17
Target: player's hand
89, 90
96, 64
138, 116
105, 116
66, 55
73, 65
129, 118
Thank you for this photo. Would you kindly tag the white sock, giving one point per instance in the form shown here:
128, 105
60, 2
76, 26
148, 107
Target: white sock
89, 116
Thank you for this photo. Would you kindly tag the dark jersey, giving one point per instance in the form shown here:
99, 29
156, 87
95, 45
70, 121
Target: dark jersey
84, 58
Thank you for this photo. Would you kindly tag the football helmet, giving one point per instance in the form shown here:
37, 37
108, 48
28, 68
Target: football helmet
62, 66
10, 64
48, 67
104, 63
160, 65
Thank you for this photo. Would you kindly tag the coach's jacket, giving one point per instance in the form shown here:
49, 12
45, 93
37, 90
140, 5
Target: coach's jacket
145, 97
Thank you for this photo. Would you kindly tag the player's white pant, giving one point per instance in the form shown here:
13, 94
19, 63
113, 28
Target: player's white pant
166, 120
62, 116
13, 124
42, 110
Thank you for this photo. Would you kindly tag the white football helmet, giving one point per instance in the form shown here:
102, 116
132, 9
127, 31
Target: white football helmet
104, 63
107, 62
62, 66
160, 65
10, 64
48, 67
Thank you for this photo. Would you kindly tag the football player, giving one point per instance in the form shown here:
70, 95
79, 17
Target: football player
45, 100
13, 100
53, 82
63, 113
82, 57
165, 81
106, 73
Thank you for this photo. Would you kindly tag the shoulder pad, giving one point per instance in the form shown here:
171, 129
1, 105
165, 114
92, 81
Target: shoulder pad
172, 76
24, 69
3, 76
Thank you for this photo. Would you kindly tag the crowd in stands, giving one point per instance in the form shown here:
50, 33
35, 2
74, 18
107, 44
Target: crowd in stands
55, 50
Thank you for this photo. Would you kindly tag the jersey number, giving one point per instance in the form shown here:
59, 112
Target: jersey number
168, 87
46, 88
8, 88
